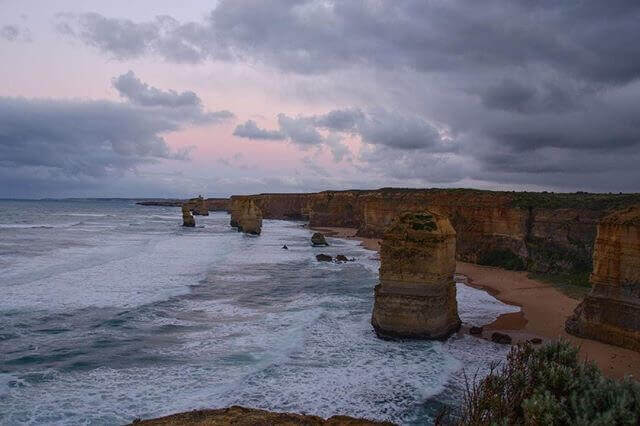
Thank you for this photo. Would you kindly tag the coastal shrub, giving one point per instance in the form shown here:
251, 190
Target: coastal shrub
549, 386
503, 258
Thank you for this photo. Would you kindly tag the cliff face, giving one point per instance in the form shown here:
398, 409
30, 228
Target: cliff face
541, 232
611, 311
416, 296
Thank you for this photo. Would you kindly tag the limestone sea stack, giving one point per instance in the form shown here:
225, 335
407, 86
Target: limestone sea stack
246, 216
611, 311
187, 217
198, 206
416, 297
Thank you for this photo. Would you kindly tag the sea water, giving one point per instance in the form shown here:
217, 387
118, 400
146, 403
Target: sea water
111, 311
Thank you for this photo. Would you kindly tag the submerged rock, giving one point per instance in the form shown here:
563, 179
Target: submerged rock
318, 239
475, 330
323, 258
501, 338
611, 311
187, 217
416, 297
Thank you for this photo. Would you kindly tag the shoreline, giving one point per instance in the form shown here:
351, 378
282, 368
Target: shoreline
543, 309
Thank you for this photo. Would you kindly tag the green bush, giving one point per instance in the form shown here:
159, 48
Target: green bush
503, 258
549, 386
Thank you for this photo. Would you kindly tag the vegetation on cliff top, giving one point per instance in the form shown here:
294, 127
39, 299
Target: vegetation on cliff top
548, 386
577, 200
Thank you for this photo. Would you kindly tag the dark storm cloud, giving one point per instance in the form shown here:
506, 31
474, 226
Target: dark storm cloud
376, 127
59, 142
137, 92
250, 130
588, 39
505, 91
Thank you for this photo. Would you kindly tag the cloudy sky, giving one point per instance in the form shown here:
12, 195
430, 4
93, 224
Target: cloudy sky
164, 98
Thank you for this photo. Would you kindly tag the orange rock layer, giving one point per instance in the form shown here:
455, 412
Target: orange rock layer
545, 232
611, 311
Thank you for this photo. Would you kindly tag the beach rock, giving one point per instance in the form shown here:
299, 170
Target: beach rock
475, 331
501, 338
246, 216
535, 341
317, 239
284, 247
187, 218
237, 415
323, 258
342, 258
611, 311
416, 297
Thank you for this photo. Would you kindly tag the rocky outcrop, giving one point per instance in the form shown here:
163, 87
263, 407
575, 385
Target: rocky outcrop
323, 257
416, 297
237, 415
246, 216
198, 206
187, 217
540, 232
317, 239
611, 311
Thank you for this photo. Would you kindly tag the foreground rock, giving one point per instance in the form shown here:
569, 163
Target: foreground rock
318, 239
248, 416
416, 296
187, 217
246, 216
611, 311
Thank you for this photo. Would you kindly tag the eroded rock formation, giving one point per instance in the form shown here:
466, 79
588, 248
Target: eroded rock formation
187, 217
541, 232
198, 206
237, 415
416, 296
611, 311
246, 216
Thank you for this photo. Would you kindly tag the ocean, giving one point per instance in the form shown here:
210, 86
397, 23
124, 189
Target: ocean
111, 311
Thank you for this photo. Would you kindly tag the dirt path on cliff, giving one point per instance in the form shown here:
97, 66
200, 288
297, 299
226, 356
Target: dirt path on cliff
544, 309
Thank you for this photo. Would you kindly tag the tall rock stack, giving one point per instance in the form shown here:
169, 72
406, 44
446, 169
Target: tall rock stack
416, 297
246, 216
611, 311
187, 217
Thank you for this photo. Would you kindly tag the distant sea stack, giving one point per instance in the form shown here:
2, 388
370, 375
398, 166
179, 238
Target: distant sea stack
187, 217
416, 297
611, 311
246, 216
198, 206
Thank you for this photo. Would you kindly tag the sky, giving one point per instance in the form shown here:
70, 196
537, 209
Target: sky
157, 98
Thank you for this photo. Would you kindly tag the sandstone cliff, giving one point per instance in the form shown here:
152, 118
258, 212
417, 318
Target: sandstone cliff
245, 215
611, 311
540, 232
416, 296
197, 206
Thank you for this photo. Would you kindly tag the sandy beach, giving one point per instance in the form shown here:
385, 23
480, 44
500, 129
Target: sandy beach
544, 309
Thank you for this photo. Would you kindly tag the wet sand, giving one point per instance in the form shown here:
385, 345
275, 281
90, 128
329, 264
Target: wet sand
544, 310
